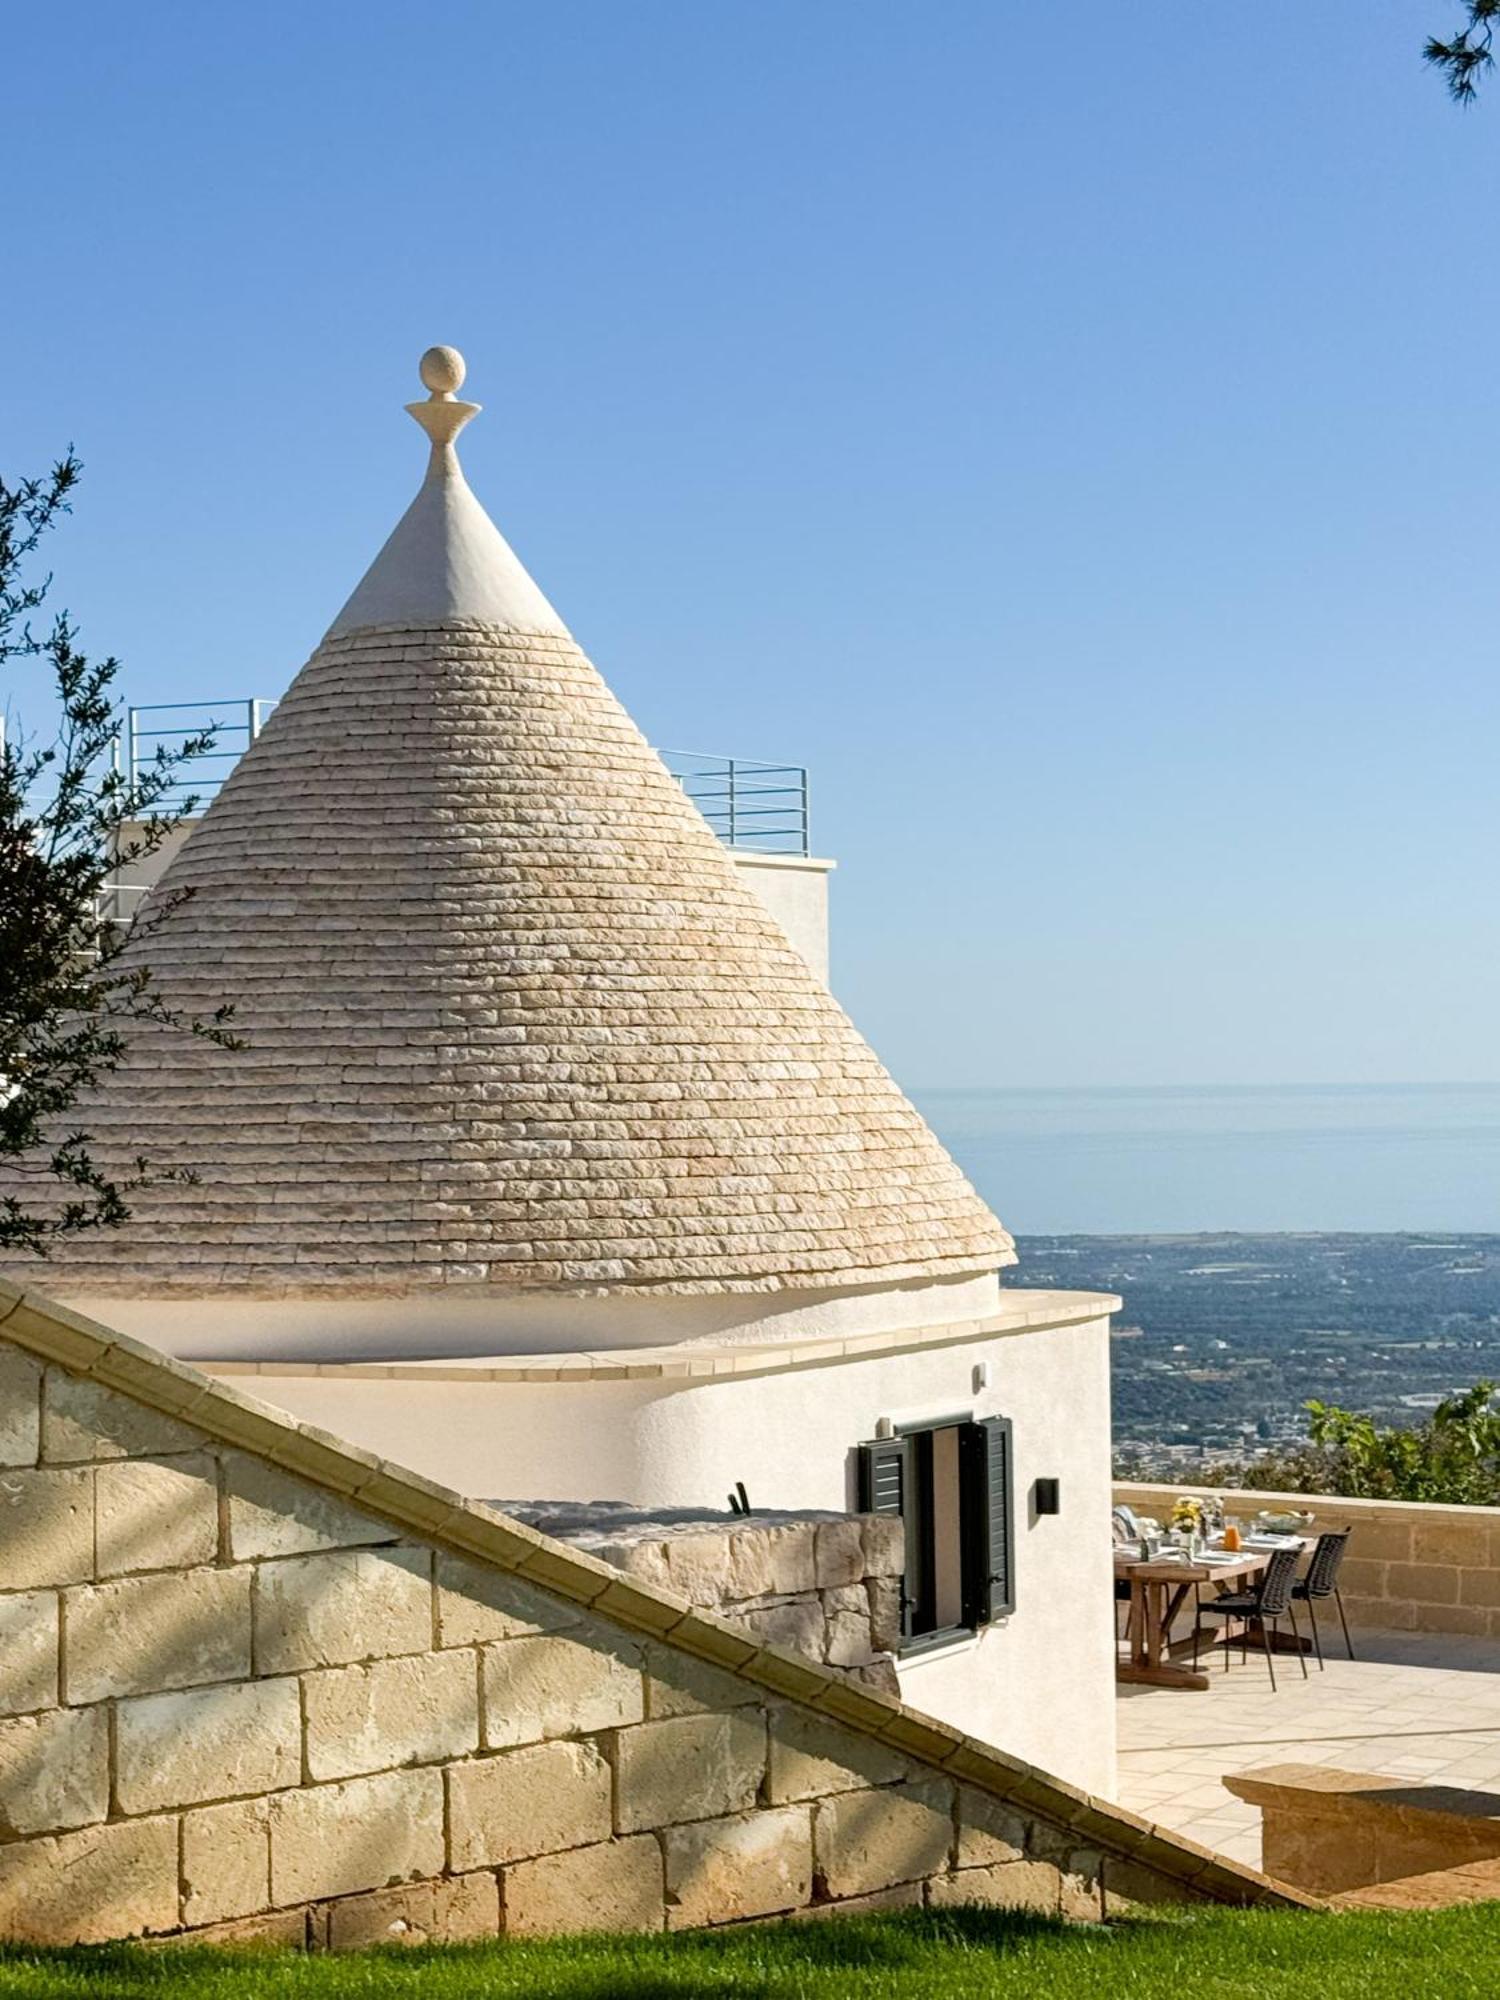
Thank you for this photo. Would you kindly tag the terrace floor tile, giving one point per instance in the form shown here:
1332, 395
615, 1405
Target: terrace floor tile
1420, 1705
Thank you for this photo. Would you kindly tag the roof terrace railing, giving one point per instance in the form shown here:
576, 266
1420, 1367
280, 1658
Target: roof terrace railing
748, 803
167, 725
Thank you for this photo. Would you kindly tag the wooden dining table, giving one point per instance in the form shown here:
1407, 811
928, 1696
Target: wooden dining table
1158, 1591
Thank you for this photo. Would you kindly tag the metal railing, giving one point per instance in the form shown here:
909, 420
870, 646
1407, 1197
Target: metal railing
235, 726
747, 802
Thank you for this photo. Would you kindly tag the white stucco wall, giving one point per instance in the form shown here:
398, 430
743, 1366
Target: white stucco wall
483, 1319
1040, 1684
794, 888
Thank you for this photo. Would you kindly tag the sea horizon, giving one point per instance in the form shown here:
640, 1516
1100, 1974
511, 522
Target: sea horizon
1192, 1159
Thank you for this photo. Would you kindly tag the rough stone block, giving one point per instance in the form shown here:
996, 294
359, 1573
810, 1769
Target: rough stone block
283, 1930
773, 1562
839, 1553
1476, 1586
226, 1861
452, 1911
83, 1420
207, 1743
645, 1561
613, 1887
468, 1907
905, 1896
20, 1407
1363, 1577
884, 1595
691, 1767
330, 1610
1378, 1541
90, 1887
848, 1642
1011, 1885
156, 1513
1385, 1613
334, 1840
811, 1758
1081, 1887
559, 1685
872, 1839
797, 1623
46, 1528
1423, 1583
885, 1545
1462, 1544
989, 1833
527, 1802
271, 1513
1126, 1884
54, 1770
476, 1603
1450, 1618
677, 1684
28, 1651
698, 1568
145, 1633
403, 1711
724, 1869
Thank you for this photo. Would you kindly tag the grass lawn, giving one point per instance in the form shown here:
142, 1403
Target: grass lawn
911, 1955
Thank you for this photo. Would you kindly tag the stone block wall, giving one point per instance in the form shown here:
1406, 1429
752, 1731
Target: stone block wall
257, 1684
826, 1585
1375, 1841
1411, 1566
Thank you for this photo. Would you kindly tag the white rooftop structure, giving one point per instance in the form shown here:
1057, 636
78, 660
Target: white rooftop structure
528, 1064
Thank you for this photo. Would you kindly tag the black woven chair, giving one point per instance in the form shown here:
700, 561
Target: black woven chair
1322, 1580
1268, 1602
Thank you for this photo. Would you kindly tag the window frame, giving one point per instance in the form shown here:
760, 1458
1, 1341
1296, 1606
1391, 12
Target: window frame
987, 1592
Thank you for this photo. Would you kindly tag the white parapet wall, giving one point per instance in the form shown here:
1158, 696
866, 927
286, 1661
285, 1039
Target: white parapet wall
794, 888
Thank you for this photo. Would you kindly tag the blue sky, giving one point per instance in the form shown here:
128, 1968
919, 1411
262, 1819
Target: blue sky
1069, 431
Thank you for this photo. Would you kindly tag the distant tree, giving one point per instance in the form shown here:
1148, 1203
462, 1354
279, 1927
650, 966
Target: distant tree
69, 820
1452, 1457
1464, 57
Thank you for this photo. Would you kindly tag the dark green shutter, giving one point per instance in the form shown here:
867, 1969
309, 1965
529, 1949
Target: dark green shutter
885, 1488
992, 1515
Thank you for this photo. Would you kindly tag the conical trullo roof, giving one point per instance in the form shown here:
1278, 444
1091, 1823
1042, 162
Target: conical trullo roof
512, 1018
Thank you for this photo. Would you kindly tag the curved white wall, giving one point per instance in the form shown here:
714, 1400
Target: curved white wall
459, 1321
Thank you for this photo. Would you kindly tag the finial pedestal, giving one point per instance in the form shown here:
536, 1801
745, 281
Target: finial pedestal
442, 417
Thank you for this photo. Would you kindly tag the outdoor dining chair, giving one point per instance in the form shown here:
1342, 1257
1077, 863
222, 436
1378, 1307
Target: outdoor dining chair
1268, 1602
1322, 1580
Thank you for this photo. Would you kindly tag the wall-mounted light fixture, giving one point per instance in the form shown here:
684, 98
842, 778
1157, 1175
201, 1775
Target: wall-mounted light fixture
981, 1376
1046, 1496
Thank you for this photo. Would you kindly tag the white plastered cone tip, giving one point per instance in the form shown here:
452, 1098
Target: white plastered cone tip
445, 560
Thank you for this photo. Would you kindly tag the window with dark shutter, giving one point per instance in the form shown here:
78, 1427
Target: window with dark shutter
882, 1476
994, 1542
952, 1484
884, 1487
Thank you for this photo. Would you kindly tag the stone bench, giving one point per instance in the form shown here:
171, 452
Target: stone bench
1363, 1839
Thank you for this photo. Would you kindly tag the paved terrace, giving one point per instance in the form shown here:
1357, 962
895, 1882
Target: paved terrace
1422, 1705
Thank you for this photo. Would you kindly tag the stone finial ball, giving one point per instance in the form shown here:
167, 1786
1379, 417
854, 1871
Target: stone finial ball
443, 370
